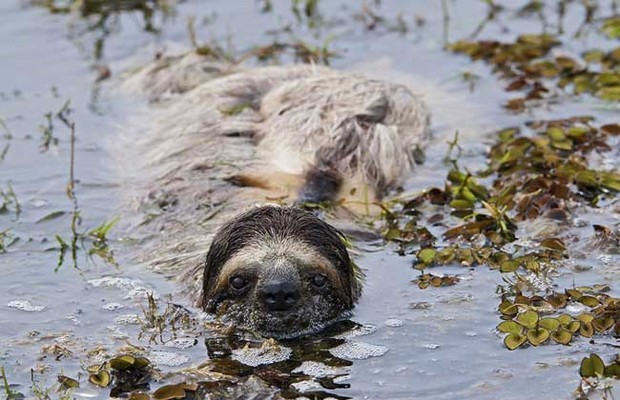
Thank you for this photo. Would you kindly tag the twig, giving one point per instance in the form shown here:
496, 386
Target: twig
446, 21
71, 184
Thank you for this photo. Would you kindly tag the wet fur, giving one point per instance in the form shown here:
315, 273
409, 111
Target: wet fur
219, 139
272, 240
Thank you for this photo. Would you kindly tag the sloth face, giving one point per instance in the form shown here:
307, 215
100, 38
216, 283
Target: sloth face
280, 272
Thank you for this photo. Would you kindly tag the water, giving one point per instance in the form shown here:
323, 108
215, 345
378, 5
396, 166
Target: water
441, 344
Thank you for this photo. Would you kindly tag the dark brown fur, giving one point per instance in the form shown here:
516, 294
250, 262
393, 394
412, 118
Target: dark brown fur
283, 223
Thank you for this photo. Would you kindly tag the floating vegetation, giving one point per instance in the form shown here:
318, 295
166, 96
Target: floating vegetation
542, 172
531, 319
100, 245
48, 139
371, 20
426, 280
9, 201
47, 133
94, 242
300, 50
593, 372
535, 171
125, 373
528, 67
611, 27
7, 239
155, 323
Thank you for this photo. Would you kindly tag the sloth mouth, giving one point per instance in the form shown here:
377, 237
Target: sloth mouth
294, 324
285, 324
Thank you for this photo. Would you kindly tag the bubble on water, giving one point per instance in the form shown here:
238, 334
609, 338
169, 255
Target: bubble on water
394, 323
140, 293
134, 288
358, 351
359, 330
577, 308
86, 394
431, 346
74, 319
182, 343
605, 259
580, 223
127, 319
24, 305
318, 369
38, 203
116, 332
168, 359
112, 306
270, 352
120, 283
63, 339
457, 298
306, 386
503, 373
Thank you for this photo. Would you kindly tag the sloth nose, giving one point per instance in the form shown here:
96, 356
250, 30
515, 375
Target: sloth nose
280, 295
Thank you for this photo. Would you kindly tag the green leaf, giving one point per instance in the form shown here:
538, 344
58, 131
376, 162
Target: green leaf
102, 230
510, 327
549, 323
565, 319
427, 256
553, 244
562, 336
514, 340
509, 266
574, 326
537, 336
528, 319
101, 379
589, 301
51, 216
122, 363
592, 367
613, 370
67, 383
169, 392
586, 330
603, 324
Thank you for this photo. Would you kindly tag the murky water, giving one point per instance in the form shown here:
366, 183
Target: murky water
441, 344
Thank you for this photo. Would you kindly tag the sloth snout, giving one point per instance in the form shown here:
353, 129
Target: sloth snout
279, 295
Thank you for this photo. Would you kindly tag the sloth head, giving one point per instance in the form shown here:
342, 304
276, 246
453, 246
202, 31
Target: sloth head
280, 272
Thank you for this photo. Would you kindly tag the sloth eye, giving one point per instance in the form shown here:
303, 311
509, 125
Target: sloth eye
319, 280
238, 282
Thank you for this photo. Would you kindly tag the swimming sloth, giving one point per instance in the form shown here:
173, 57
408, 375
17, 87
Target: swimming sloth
231, 138
281, 272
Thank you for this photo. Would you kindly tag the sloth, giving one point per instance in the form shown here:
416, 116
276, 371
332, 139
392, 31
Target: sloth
229, 138
280, 271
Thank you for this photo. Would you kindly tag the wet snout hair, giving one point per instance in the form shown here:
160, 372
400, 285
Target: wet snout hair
286, 239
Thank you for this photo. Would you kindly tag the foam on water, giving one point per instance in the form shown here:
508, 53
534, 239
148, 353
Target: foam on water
168, 359
270, 352
24, 305
182, 343
358, 351
318, 369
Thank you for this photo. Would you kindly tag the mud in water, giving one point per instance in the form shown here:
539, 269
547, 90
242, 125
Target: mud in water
453, 257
